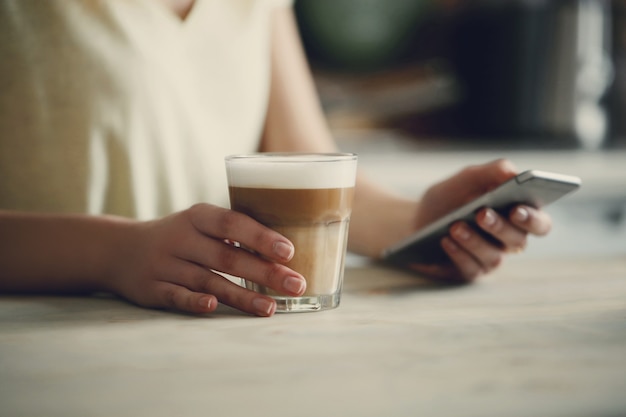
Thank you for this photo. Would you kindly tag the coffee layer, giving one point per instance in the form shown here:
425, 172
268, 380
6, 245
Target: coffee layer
276, 207
314, 220
319, 257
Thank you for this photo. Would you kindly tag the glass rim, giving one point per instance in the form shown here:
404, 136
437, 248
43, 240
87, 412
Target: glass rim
290, 157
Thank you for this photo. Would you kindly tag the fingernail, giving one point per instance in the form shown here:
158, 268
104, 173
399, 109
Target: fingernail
284, 250
490, 217
205, 302
450, 245
520, 214
263, 306
294, 285
462, 233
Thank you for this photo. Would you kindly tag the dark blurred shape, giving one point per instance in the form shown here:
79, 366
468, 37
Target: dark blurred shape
359, 35
617, 95
534, 68
387, 99
539, 72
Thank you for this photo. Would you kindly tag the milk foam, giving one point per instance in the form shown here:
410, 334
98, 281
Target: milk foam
293, 171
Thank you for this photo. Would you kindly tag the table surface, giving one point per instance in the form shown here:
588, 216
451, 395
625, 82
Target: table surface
540, 337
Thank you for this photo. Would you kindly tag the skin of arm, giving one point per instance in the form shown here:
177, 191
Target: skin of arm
56, 253
173, 262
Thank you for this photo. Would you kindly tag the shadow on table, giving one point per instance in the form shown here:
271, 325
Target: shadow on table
19, 310
382, 279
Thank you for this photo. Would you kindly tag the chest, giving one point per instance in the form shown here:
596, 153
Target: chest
180, 8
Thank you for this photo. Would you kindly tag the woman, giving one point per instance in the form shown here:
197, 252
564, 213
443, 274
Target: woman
115, 117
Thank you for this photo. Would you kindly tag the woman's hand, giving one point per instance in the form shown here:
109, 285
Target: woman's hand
175, 262
471, 254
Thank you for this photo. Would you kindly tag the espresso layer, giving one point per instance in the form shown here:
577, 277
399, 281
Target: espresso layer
279, 207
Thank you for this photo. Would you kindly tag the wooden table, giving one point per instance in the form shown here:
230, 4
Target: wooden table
538, 338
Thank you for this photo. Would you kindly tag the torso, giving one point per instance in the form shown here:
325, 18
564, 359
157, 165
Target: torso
180, 8
113, 107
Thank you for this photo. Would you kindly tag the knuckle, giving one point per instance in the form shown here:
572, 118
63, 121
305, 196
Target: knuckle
261, 238
523, 242
174, 299
196, 278
204, 282
469, 269
201, 214
472, 274
200, 281
273, 273
498, 226
195, 211
264, 241
226, 258
169, 297
504, 165
468, 275
472, 242
227, 221
517, 246
189, 304
236, 297
187, 274
495, 262
469, 170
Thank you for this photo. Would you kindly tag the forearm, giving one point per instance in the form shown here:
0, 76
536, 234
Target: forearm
379, 218
57, 253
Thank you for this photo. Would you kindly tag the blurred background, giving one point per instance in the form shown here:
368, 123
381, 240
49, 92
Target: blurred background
542, 72
421, 88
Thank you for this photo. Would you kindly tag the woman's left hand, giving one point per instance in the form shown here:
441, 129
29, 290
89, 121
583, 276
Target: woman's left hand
472, 255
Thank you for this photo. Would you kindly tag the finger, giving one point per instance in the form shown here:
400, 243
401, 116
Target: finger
485, 253
223, 224
217, 255
512, 238
486, 177
534, 221
176, 297
468, 268
198, 279
241, 298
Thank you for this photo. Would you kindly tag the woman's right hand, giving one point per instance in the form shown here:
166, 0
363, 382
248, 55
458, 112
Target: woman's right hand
175, 262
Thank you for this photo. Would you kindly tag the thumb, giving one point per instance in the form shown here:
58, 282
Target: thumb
488, 176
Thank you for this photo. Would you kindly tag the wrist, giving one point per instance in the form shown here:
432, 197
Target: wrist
114, 252
377, 224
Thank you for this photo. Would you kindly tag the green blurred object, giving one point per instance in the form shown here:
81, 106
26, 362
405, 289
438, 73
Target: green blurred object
359, 34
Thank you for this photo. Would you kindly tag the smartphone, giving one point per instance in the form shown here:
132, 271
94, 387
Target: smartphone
533, 188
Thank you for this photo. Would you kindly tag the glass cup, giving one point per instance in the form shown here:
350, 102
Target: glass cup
308, 199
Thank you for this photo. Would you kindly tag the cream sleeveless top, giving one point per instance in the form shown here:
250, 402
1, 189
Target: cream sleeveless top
120, 107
